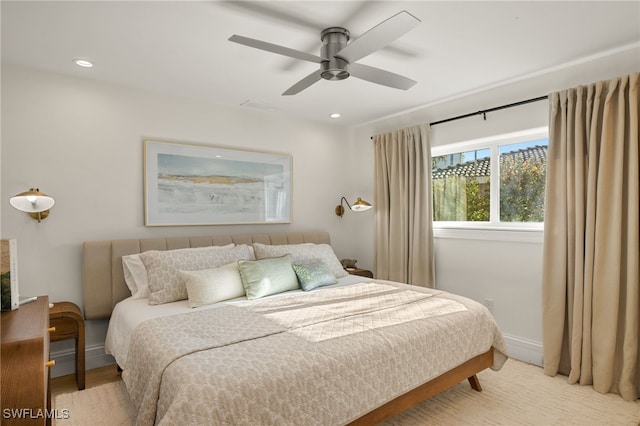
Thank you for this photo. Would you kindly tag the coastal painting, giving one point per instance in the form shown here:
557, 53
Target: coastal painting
207, 185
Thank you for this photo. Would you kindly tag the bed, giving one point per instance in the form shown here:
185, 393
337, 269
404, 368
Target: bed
351, 351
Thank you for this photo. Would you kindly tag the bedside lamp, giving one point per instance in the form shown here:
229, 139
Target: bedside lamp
359, 206
34, 202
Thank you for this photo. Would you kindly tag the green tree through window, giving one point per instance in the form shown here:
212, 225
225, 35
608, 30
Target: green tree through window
522, 184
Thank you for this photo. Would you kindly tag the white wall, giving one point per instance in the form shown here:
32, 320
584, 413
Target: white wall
489, 265
81, 142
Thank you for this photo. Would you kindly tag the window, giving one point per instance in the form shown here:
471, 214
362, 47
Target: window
495, 182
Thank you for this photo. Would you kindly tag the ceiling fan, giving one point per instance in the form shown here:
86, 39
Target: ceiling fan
338, 59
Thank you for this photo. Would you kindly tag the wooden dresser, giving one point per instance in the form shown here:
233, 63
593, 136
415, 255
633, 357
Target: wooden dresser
25, 397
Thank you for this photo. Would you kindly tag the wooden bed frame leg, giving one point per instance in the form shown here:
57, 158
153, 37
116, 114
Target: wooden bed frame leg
475, 383
446, 380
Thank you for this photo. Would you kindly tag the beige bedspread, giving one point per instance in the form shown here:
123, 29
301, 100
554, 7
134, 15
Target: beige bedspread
325, 357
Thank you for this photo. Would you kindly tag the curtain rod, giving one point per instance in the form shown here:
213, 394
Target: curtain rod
484, 112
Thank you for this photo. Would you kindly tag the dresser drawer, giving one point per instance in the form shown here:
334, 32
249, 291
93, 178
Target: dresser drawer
25, 353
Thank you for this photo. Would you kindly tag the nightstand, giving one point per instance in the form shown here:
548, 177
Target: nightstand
68, 322
362, 272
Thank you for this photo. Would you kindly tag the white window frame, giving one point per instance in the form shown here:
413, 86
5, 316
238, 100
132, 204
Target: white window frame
520, 231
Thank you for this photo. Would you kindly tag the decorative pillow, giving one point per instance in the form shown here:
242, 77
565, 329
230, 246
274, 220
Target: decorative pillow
135, 274
208, 286
303, 254
267, 276
163, 268
314, 275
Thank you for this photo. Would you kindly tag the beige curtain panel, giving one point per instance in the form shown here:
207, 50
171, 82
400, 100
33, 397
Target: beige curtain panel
592, 237
402, 199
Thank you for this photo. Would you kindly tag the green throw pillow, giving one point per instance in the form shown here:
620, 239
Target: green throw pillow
267, 276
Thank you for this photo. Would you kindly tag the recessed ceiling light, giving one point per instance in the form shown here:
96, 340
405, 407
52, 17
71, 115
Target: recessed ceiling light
83, 63
335, 115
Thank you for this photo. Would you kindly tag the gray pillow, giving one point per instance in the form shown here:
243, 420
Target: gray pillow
163, 268
267, 276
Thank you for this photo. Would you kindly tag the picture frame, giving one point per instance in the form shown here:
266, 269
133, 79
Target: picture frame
187, 184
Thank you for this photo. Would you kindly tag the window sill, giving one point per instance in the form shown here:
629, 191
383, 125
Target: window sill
488, 233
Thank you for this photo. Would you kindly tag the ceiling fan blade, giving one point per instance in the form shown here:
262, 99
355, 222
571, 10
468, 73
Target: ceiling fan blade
274, 48
379, 36
378, 76
303, 84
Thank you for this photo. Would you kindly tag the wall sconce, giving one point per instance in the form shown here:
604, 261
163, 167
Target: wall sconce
359, 206
34, 202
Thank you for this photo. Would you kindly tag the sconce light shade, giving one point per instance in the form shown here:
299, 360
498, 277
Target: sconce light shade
34, 202
359, 206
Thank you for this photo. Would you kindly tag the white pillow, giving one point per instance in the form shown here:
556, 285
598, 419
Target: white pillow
165, 284
208, 286
303, 254
135, 274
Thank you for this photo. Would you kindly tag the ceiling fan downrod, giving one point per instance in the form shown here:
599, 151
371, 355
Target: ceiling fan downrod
334, 39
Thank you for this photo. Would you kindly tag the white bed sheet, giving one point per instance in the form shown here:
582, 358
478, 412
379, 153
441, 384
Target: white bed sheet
130, 313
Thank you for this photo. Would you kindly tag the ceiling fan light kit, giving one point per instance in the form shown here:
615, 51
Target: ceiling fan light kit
338, 56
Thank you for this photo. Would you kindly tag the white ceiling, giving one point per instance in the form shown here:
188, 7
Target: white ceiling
181, 47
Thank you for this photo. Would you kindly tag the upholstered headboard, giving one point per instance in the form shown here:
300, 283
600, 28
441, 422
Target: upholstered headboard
103, 282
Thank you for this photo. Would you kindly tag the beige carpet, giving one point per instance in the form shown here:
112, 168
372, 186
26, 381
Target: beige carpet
519, 394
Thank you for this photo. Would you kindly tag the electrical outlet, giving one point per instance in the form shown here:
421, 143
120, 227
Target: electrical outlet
489, 304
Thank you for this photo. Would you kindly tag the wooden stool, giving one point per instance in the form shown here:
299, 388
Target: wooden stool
69, 324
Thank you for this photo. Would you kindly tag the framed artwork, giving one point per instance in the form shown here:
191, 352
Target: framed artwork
206, 185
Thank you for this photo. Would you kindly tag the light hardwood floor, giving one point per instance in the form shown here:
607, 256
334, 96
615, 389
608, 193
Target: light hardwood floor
93, 378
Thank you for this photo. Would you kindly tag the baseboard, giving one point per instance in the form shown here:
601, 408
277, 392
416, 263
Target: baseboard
524, 350
66, 360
